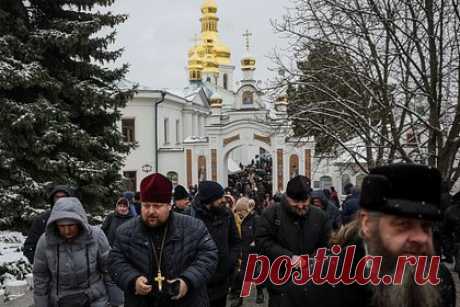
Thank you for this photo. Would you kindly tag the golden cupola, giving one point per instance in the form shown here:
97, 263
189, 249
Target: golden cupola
195, 67
248, 62
209, 49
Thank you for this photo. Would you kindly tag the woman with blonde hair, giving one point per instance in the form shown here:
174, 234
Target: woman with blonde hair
245, 218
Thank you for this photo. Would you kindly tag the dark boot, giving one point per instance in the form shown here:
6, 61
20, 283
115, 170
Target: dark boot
260, 296
237, 302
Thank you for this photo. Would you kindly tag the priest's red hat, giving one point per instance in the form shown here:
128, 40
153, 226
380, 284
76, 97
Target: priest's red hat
156, 188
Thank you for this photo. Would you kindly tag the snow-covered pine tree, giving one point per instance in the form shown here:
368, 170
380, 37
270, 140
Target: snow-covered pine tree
59, 104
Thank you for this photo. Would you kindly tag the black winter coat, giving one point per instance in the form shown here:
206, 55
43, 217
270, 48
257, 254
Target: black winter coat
111, 224
353, 295
280, 233
451, 234
36, 230
38, 226
248, 237
189, 253
224, 232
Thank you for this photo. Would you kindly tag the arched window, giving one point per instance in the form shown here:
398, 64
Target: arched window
201, 168
248, 97
325, 182
345, 180
225, 81
293, 165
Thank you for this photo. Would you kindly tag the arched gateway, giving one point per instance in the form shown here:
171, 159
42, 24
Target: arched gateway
244, 129
199, 130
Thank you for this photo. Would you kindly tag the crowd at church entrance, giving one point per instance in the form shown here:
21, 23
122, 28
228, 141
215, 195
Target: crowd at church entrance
169, 246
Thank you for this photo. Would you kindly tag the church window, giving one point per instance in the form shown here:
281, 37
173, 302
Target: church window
248, 97
177, 131
131, 178
128, 130
201, 168
226, 81
293, 166
166, 130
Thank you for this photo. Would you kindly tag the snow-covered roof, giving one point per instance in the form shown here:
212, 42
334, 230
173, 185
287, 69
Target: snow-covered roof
127, 84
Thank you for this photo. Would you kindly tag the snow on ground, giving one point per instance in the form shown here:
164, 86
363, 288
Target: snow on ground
10, 246
13, 265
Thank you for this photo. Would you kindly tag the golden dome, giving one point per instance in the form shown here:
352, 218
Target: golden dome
223, 53
211, 66
208, 52
195, 66
209, 6
195, 61
248, 62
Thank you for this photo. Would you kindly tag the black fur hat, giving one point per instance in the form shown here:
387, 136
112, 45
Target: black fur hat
299, 188
404, 190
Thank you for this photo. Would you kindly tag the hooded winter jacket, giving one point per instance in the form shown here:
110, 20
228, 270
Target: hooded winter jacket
61, 266
39, 223
333, 214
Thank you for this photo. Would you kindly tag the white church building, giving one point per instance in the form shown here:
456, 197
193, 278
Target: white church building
205, 130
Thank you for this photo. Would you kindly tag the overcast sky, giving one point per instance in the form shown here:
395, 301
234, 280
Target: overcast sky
158, 34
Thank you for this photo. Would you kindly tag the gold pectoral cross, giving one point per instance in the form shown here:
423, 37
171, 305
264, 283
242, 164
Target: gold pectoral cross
159, 280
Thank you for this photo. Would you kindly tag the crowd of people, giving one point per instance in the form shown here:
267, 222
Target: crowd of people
166, 246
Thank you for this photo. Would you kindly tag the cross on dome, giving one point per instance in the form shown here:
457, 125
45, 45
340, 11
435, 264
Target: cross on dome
247, 36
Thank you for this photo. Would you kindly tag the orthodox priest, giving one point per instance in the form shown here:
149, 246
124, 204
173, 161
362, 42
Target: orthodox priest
162, 258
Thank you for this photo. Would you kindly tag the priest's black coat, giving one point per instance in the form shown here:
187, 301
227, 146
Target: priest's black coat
189, 253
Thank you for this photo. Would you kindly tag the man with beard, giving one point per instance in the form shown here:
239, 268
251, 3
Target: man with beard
162, 258
292, 227
209, 206
399, 204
